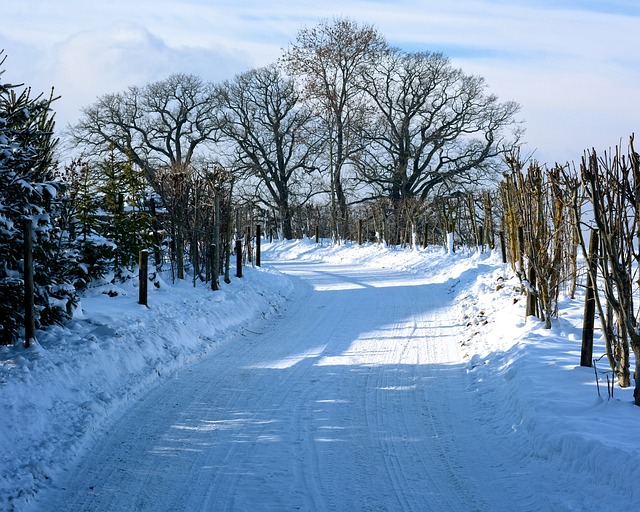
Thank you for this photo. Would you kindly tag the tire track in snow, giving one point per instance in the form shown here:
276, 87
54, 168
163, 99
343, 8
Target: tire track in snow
408, 458
284, 389
385, 388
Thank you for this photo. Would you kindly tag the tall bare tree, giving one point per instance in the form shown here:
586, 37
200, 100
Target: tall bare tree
436, 128
330, 59
160, 125
275, 138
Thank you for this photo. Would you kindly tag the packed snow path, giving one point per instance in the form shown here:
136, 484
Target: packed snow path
354, 399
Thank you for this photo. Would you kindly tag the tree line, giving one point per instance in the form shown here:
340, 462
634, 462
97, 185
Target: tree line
343, 132
340, 119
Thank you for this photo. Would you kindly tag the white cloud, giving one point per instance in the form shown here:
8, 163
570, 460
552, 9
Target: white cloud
575, 72
573, 68
92, 63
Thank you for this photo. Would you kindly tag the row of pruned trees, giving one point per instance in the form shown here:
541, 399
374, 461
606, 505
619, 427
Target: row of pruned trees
469, 220
541, 233
612, 184
110, 209
549, 216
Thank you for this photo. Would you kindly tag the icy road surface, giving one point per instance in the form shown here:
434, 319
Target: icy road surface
355, 399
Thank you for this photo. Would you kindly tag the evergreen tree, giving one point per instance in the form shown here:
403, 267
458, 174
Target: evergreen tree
122, 191
83, 225
29, 192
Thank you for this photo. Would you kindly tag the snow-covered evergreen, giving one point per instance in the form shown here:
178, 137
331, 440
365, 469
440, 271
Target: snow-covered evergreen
28, 191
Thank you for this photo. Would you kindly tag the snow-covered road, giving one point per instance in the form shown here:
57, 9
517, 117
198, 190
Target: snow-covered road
356, 398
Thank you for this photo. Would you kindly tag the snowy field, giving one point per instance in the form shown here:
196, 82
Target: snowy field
333, 378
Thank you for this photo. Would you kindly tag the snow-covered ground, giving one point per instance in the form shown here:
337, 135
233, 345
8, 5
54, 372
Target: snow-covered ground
333, 378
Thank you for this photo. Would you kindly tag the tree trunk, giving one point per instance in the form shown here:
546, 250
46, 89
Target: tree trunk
341, 199
622, 357
287, 228
179, 252
489, 229
215, 270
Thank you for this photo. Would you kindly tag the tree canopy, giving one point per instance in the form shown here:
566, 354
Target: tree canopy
371, 121
275, 138
162, 124
433, 128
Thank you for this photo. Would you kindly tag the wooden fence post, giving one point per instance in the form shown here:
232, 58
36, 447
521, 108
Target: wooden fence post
317, 234
258, 235
503, 247
29, 306
143, 277
586, 353
238, 258
215, 272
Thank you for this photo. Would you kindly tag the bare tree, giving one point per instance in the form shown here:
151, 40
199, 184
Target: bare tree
330, 59
275, 139
161, 127
435, 128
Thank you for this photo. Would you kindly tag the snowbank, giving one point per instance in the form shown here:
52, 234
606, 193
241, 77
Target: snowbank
529, 380
62, 392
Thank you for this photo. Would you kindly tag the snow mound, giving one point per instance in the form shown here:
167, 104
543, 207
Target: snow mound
57, 396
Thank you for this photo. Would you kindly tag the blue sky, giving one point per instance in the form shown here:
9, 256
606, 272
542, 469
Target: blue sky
573, 66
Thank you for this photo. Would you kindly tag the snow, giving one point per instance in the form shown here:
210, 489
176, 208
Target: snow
59, 395
335, 377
